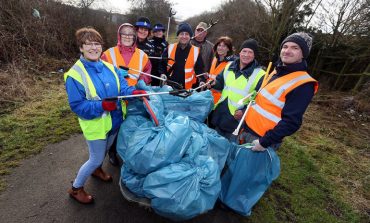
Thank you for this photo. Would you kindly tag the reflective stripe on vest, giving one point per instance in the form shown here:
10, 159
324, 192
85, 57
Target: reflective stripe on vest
236, 89
99, 127
137, 62
190, 78
215, 70
265, 113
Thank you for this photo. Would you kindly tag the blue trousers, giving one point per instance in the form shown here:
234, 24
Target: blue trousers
97, 151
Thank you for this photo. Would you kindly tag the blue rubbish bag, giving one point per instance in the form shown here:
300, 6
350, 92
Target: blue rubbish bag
248, 177
127, 129
197, 106
133, 181
212, 144
155, 108
152, 148
183, 190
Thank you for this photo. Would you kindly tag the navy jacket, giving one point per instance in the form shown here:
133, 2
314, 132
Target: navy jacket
296, 104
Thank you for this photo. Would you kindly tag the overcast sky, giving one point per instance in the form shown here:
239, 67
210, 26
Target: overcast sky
184, 9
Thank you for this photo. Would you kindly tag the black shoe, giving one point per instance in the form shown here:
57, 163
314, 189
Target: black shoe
113, 159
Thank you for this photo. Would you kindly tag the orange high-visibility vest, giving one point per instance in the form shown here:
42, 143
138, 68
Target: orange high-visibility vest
190, 78
138, 61
213, 72
265, 113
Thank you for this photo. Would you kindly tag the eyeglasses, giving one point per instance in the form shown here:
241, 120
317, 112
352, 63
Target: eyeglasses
90, 45
199, 30
127, 35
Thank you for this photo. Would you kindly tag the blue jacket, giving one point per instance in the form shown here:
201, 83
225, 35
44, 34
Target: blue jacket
106, 86
221, 116
296, 104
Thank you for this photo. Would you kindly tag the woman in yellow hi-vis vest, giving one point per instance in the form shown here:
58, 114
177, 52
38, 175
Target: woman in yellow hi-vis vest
237, 80
88, 82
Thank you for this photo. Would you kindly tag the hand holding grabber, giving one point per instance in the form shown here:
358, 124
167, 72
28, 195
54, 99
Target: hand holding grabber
170, 14
150, 75
212, 24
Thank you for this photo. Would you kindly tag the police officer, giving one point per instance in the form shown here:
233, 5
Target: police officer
160, 44
143, 28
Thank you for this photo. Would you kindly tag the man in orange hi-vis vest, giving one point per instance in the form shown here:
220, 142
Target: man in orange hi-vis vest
275, 112
127, 54
187, 61
279, 107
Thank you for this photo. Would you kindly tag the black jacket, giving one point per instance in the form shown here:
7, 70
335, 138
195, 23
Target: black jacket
177, 71
159, 44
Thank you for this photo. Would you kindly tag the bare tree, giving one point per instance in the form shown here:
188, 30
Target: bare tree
286, 16
344, 17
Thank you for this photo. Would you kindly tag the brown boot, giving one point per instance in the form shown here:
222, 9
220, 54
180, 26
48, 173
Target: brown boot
80, 195
99, 173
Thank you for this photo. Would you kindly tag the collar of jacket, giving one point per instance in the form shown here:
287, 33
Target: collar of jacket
247, 71
182, 46
97, 66
159, 40
282, 70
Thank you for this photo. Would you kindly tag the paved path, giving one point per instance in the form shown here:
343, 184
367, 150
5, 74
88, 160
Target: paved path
36, 192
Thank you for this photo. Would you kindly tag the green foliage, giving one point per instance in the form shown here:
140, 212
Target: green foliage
30, 128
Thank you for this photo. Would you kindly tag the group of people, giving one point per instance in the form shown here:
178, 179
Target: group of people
276, 111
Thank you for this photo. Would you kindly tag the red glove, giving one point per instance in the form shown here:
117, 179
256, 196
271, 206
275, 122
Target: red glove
109, 105
138, 92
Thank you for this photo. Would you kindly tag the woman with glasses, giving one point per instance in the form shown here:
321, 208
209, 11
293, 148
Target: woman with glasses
88, 83
127, 54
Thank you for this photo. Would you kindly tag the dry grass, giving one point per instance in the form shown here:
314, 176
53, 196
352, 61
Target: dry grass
338, 139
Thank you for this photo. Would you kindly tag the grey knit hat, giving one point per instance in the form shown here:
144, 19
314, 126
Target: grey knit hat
304, 41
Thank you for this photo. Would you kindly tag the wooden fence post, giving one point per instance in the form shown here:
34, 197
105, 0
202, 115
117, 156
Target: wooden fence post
362, 77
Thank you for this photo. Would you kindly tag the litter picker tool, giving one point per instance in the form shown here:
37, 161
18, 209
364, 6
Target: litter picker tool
199, 75
173, 83
252, 96
181, 93
161, 58
211, 24
202, 85
170, 14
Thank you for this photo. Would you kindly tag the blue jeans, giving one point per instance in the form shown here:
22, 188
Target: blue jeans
97, 151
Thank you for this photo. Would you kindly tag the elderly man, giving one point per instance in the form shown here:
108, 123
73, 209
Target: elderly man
206, 47
187, 62
236, 81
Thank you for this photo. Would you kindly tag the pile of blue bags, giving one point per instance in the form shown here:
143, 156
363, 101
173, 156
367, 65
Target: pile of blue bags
176, 164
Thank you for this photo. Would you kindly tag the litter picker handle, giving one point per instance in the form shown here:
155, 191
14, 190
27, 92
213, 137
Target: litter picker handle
111, 99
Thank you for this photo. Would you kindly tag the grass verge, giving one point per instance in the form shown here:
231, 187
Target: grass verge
28, 129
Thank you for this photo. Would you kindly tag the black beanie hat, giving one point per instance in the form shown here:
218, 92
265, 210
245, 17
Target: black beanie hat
143, 22
184, 27
304, 41
251, 44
